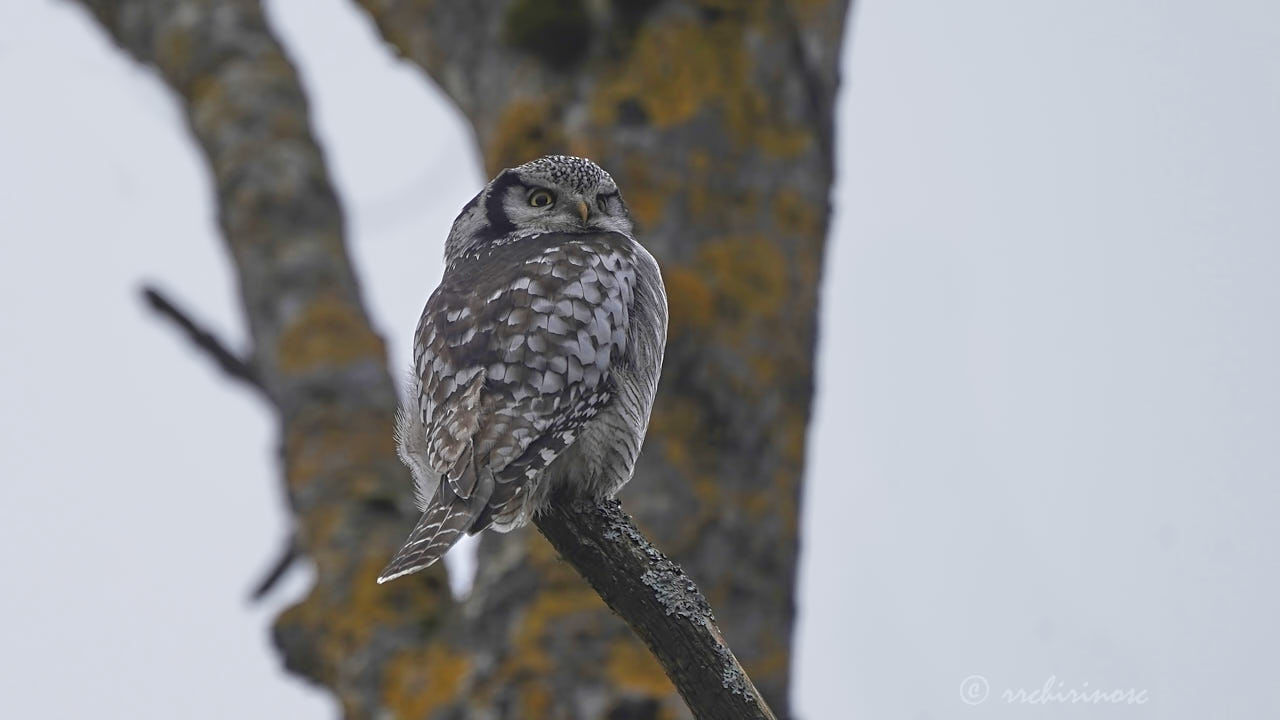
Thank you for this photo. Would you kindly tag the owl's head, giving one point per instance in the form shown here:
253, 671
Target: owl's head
556, 193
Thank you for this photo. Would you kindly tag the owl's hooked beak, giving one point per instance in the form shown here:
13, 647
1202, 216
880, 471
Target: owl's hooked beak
583, 210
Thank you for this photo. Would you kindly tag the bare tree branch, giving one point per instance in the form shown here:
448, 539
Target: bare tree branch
232, 364
660, 603
239, 370
288, 556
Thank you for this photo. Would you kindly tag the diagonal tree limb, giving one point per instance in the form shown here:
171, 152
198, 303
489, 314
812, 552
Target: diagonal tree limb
232, 364
660, 603
314, 349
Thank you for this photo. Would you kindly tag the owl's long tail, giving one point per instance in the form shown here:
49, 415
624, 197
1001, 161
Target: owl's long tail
437, 530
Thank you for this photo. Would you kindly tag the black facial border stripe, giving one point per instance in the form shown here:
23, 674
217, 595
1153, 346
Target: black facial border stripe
499, 223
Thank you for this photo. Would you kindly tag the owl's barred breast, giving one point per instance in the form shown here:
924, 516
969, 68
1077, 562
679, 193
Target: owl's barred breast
536, 363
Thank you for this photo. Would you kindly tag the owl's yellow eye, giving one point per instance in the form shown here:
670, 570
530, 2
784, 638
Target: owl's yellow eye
541, 198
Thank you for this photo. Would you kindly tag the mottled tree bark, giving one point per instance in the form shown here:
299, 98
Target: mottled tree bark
658, 600
715, 117
314, 351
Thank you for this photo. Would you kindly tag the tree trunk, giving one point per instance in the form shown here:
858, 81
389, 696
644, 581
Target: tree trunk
716, 120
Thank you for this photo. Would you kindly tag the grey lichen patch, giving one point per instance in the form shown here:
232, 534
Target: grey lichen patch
618, 525
676, 592
731, 675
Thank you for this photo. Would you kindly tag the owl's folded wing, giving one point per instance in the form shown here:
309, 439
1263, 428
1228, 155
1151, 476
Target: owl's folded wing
514, 356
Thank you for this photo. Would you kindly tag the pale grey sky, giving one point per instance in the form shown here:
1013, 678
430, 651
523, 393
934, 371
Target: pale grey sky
1049, 389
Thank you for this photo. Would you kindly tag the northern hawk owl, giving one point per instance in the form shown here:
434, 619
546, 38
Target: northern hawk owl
536, 359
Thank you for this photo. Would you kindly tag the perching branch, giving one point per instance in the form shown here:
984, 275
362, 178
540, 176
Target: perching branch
660, 603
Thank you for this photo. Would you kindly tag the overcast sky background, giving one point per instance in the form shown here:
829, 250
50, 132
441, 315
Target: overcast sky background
1049, 389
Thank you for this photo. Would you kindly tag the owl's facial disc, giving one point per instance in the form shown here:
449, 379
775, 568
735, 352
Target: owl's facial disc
557, 208
561, 194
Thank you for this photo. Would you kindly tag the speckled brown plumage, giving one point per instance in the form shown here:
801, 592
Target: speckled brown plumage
536, 359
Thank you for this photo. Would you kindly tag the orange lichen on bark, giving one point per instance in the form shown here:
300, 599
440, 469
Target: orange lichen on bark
173, 46
418, 682
645, 196
698, 197
796, 214
749, 276
672, 70
364, 608
535, 700
562, 598
321, 441
529, 651
680, 68
631, 667
733, 285
339, 626
523, 132
775, 657
759, 503
691, 304
807, 9
791, 429
676, 421
329, 332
